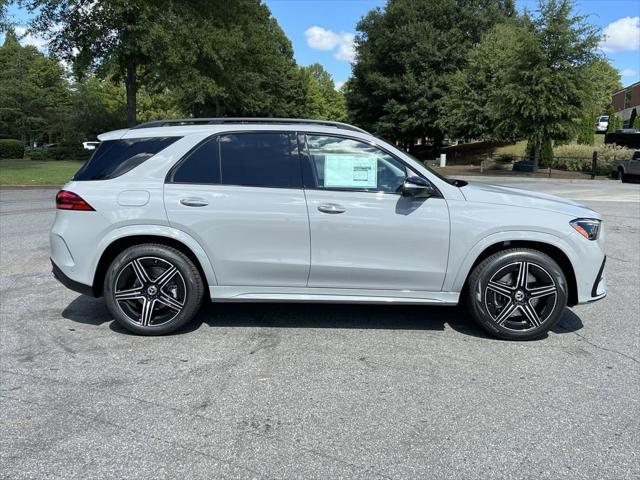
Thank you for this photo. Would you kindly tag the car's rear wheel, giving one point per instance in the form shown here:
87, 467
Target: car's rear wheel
517, 294
624, 178
153, 289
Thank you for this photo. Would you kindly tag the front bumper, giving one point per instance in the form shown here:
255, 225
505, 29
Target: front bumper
599, 289
69, 283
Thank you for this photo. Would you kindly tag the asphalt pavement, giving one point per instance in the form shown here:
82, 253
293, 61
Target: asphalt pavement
316, 391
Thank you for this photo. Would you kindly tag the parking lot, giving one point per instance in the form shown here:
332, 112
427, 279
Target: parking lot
316, 391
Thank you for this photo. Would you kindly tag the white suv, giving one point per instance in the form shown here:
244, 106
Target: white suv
244, 210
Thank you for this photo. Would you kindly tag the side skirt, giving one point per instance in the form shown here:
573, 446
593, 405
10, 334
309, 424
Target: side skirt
333, 295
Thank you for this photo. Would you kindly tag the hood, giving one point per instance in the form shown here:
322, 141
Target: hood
494, 194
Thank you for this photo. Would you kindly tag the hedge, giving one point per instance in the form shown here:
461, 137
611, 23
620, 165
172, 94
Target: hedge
10, 148
60, 153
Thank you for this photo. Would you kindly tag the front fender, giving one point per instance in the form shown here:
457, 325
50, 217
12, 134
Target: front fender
455, 280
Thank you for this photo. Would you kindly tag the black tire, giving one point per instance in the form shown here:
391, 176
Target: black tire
158, 277
624, 178
529, 307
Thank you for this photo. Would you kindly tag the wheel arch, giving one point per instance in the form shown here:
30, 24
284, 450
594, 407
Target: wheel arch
556, 253
117, 245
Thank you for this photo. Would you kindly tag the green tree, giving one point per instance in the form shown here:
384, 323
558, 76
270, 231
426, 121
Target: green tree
323, 101
601, 80
237, 61
617, 122
545, 81
538, 87
34, 95
469, 111
5, 23
586, 129
406, 57
125, 39
611, 126
98, 106
633, 119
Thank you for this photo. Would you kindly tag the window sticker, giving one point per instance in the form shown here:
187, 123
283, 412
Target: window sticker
350, 171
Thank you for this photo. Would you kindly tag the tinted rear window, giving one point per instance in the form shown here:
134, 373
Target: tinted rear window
201, 165
116, 157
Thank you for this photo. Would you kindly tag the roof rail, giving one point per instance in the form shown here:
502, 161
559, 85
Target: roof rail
241, 120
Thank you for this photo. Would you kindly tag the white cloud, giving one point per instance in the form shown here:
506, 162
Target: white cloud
621, 35
338, 84
341, 43
320, 39
347, 49
27, 38
628, 72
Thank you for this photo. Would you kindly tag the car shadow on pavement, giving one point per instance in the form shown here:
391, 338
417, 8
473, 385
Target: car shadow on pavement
93, 311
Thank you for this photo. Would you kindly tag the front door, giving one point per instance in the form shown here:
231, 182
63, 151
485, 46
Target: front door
364, 233
240, 195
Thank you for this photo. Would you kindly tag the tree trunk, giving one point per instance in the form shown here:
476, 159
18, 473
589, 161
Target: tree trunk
132, 90
536, 156
438, 141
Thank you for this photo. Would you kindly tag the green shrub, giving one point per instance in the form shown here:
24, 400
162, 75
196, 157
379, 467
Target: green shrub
505, 158
62, 152
11, 148
546, 153
529, 152
577, 158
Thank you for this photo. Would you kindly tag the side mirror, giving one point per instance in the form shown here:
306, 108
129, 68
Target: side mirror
416, 187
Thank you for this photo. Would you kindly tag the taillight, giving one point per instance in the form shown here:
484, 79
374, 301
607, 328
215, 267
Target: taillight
71, 201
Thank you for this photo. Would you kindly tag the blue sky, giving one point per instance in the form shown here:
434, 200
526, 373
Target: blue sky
322, 30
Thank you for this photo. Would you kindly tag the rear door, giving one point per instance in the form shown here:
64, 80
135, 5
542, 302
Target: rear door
240, 195
364, 233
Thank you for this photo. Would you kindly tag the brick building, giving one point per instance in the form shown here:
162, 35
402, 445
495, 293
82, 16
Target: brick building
625, 100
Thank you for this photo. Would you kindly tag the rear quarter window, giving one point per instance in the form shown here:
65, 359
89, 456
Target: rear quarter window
113, 158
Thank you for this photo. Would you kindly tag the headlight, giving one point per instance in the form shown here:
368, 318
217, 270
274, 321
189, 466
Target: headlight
589, 228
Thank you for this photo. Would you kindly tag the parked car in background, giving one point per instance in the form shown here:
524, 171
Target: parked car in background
171, 212
90, 145
628, 169
602, 123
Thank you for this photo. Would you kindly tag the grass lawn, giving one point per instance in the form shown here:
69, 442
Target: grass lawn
517, 149
30, 172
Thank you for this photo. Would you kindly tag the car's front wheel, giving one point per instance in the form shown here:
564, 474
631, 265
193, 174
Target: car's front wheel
153, 289
517, 294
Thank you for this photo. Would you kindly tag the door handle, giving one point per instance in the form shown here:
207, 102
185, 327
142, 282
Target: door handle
331, 208
194, 202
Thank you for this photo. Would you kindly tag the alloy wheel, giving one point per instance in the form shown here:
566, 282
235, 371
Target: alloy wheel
150, 291
520, 296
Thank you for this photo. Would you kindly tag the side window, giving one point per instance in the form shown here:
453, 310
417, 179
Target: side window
260, 160
113, 158
344, 163
201, 165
